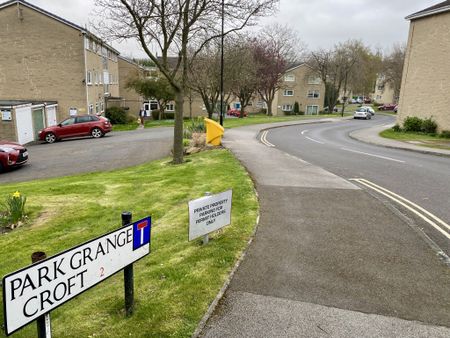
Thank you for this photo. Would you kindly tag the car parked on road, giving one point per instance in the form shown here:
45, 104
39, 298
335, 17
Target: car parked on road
363, 113
12, 155
387, 106
370, 109
83, 125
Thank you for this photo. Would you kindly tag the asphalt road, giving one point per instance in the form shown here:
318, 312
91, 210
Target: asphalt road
421, 178
83, 155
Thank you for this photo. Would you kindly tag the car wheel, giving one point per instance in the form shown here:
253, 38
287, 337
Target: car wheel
50, 138
96, 133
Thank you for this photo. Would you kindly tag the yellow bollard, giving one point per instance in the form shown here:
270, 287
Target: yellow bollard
214, 132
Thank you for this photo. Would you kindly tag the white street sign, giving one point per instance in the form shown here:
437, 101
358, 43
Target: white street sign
39, 288
209, 213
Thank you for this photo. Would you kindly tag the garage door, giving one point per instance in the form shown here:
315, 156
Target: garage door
24, 125
51, 116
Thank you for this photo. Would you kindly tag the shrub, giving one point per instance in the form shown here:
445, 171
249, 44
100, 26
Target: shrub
397, 128
445, 134
296, 108
301, 113
413, 124
14, 209
196, 126
429, 126
169, 116
155, 114
116, 115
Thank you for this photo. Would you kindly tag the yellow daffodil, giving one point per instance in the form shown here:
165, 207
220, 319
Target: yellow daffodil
16, 194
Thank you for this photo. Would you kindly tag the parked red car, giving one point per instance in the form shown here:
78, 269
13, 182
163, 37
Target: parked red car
83, 125
236, 113
387, 106
12, 155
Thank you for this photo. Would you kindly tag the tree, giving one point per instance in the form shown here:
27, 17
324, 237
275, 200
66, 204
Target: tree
158, 89
273, 50
392, 68
175, 27
243, 73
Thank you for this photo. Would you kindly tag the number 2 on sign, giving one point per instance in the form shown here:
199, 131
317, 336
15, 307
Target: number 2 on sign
102, 271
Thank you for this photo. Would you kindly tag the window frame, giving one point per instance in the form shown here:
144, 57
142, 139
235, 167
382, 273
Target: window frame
285, 92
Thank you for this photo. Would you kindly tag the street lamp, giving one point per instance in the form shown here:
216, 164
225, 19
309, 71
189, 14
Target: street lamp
221, 64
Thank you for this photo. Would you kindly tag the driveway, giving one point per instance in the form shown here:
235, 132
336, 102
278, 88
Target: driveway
83, 155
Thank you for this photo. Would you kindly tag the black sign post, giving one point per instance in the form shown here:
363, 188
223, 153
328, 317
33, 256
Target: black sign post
43, 322
128, 273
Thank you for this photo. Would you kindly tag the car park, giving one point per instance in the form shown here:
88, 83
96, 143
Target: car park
12, 155
83, 125
363, 113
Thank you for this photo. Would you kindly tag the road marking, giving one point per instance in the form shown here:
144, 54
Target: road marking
304, 131
311, 139
264, 139
411, 206
373, 155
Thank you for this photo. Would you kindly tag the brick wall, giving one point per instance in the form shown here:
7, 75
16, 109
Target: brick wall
425, 83
42, 59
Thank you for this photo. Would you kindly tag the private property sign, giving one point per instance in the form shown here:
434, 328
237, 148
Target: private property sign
209, 213
39, 288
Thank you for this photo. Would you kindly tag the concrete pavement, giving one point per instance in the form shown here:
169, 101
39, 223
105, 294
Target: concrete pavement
328, 259
371, 135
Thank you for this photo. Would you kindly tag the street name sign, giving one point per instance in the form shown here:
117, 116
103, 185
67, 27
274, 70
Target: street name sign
209, 213
41, 287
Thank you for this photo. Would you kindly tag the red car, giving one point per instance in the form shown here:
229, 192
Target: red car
83, 125
387, 106
235, 112
12, 155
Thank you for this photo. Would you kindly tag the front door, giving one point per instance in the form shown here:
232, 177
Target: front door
38, 121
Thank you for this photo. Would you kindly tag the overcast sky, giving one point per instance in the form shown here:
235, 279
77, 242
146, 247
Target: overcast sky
319, 23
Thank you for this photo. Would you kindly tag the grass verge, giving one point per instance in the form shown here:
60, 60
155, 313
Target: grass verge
125, 127
420, 139
175, 284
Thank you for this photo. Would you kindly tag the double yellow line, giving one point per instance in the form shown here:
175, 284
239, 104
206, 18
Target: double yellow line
427, 216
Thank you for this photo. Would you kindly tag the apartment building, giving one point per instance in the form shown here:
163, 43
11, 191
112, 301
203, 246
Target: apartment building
384, 92
300, 85
50, 59
425, 82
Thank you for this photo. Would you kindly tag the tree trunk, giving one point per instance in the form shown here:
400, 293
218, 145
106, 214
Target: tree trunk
269, 107
344, 98
178, 130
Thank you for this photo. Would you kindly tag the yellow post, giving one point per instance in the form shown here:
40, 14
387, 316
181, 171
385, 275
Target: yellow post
214, 132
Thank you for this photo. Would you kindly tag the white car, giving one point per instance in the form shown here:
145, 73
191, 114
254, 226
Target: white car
363, 113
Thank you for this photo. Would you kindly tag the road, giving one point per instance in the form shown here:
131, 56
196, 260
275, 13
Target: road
420, 178
83, 155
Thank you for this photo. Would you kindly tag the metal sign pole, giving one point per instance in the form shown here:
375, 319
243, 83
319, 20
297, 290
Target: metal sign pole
44, 328
206, 237
128, 274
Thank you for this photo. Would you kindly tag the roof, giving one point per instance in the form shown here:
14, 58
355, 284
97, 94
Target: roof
436, 9
55, 17
14, 103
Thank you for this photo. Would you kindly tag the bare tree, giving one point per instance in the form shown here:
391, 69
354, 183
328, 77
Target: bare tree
274, 49
392, 68
176, 26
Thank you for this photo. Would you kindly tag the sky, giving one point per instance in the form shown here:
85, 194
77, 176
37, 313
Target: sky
319, 23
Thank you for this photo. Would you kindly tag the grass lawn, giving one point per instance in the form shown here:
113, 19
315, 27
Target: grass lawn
175, 284
125, 127
426, 140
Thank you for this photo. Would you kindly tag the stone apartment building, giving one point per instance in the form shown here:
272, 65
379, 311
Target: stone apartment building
51, 59
384, 92
425, 83
302, 86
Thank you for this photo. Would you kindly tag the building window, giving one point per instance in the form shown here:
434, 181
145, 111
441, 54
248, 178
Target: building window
170, 107
91, 108
289, 78
312, 110
97, 106
237, 105
89, 78
96, 78
287, 107
288, 92
313, 94
153, 105
314, 80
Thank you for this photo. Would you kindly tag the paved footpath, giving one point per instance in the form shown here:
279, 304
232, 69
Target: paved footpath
328, 260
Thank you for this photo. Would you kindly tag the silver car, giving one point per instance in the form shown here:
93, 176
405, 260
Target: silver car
363, 113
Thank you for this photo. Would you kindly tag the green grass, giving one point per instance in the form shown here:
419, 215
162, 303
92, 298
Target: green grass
426, 140
125, 127
158, 123
175, 284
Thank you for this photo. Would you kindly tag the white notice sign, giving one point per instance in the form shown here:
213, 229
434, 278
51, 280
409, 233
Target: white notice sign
209, 213
45, 285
